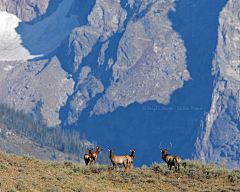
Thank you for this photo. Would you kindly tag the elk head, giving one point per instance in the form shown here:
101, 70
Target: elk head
164, 152
98, 149
90, 150
132, 153
111, 151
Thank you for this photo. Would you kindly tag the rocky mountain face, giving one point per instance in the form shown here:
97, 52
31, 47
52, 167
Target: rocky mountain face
140, 69
29, 10
25, 83
219, 140
129, 73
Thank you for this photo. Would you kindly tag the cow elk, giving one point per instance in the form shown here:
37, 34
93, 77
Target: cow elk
170, 159
118, 160
130, 159
88, 156
94, 155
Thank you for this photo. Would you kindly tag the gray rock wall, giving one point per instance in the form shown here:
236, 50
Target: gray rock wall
23, 84
220, 140
26, 10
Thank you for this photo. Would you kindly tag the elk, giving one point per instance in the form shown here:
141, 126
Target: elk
130, 159
170, 159
118, 160
94, 155
88, 156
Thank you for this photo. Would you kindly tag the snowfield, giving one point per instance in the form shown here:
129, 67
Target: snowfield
21, 41
11, 47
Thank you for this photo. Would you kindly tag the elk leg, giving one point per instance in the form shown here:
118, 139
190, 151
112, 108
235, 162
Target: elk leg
175, 169
86, 162
126, 165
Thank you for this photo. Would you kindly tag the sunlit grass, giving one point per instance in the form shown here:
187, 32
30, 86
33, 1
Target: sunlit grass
29, 174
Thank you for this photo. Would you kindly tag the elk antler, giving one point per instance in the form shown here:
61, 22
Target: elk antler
160, 147
170, 146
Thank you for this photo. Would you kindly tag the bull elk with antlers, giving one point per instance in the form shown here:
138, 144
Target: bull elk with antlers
170, 159
94, 155
88, 156
118, 160
130, 159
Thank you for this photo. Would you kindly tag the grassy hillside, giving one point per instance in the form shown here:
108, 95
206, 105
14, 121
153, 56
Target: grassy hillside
29, 174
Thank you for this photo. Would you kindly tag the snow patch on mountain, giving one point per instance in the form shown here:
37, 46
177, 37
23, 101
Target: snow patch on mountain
8, 68
21, 41
10, 41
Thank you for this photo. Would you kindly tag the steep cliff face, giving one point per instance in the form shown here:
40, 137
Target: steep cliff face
220, 138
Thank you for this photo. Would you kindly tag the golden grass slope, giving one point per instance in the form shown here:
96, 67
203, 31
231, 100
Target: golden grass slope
29, 174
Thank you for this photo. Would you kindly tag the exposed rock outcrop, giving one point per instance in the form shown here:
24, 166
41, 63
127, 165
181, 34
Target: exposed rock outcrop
26, 10
221, 132
106, 18
23, 84
150, 62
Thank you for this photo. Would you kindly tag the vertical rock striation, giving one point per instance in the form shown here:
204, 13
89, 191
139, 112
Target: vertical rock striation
220, 136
